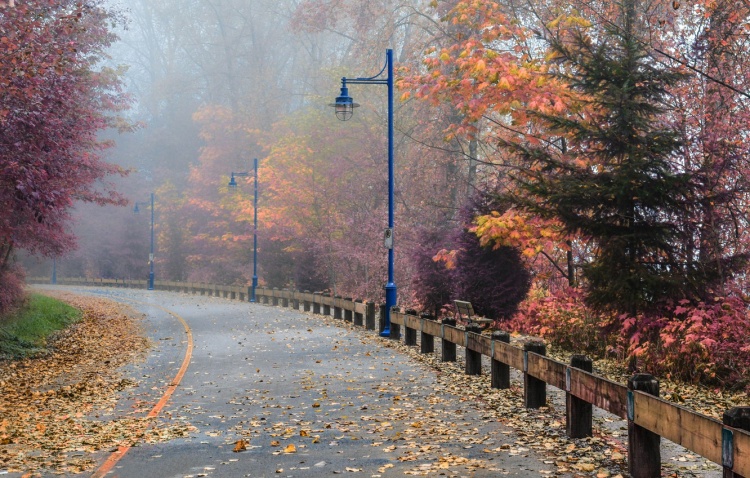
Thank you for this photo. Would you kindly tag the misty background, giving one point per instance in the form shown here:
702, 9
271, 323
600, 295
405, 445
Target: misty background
216, 83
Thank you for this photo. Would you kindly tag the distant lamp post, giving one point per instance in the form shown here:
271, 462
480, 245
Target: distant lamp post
233, 185
54, 271
137, 210
344, 106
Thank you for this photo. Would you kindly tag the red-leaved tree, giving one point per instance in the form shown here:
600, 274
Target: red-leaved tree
55, 98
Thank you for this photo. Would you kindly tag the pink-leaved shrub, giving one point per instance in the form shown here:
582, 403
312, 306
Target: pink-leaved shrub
707, 343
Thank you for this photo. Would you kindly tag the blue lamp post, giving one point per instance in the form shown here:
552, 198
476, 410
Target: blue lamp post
54, 271
137, 210
344, 106
233, 185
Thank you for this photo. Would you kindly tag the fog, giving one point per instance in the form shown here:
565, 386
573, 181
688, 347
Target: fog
216, 83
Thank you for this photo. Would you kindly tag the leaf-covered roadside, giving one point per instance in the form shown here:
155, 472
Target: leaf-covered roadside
543, 430
57, 410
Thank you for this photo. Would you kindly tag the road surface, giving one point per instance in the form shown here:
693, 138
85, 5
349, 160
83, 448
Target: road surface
310, 396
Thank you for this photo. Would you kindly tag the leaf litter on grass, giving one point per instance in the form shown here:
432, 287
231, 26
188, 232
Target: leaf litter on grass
56, 408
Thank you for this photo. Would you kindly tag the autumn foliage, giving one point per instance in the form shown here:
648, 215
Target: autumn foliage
610, 154
494, 279
615, 134
432, 281
56, 97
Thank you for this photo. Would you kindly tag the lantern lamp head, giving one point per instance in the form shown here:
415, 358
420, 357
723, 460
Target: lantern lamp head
344, 104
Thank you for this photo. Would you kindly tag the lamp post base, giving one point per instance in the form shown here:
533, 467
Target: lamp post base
253, 287
390, 302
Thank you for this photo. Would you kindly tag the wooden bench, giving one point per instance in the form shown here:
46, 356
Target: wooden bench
465, 312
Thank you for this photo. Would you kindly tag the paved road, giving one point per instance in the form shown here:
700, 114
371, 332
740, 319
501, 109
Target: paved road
311, 397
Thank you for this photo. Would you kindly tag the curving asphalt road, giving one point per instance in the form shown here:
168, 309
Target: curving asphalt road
311, 396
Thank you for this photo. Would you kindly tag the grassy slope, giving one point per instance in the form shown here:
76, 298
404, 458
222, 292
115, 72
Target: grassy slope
25, 332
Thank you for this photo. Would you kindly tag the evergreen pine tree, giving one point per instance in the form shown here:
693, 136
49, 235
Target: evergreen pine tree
613, 182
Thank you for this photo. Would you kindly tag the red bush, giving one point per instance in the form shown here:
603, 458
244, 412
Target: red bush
564, 320
704, 343
11, 289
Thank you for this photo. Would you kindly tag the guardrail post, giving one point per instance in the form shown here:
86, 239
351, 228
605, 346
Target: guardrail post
534, 390
285, 298
410, 335
306, 302
395, 328
500, 371
327, 307
348, 314
739, 418
370, 316
473, 365
448, 347
275, 296
426, 341
316, 302
579, 413
359, 317
644, 446
337, 307
381, 318
295, 300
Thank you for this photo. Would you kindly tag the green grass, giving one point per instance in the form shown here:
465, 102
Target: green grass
25, 332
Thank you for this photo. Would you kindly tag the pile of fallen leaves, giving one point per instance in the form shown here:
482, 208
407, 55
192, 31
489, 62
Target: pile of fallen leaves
55, 410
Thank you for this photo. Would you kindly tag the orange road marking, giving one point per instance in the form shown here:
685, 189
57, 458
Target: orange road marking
122, 450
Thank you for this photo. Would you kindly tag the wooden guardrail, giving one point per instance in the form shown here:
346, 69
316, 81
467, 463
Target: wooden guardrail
649, 417
355, 311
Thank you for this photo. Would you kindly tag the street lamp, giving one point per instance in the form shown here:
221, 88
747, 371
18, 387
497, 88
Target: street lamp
233, 185
137, 210
344, 106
